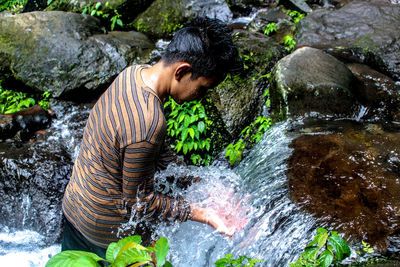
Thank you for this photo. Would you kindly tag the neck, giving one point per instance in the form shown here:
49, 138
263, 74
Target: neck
156, 77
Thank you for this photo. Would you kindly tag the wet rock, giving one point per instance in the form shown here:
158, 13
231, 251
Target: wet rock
273, 15
297, 4
244, 7
310, 81
24, 123
378, 92
360, 32
240, 99
164, 17
347, 179
34, 175
63, 52
34, 5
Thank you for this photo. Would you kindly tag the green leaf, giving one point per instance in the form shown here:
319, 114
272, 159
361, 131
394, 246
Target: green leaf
326, 258
120, 23
322, 230
110, 251
121, 243
162, 248
74, 258
322, 240
201, 126
341, 248
310, 253
167, 264
132, 255
98, 5
191, 132
184, 134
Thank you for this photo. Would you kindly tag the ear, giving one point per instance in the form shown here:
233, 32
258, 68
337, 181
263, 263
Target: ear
181, 70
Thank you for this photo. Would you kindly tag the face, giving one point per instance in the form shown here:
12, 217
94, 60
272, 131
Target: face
187, 89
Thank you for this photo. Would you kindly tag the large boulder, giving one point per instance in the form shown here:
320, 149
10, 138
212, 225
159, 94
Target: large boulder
349, 178
361, 32
240, 98
164, 17
63, 52
309, 82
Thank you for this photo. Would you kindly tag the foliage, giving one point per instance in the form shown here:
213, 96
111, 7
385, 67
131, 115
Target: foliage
96, 9
327, 248
12, 101
289, 42
125, 252
251, 134
168, 25
271, 28
242, 261
14, 6
189, 125
296, 16
366, 249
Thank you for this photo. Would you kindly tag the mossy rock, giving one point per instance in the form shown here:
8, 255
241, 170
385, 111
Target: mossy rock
241, 98
164, 17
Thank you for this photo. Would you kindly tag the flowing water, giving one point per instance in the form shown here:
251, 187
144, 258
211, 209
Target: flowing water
275, 229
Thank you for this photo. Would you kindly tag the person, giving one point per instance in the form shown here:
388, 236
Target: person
112, 181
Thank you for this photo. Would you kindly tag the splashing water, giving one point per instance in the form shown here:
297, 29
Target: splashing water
256, 193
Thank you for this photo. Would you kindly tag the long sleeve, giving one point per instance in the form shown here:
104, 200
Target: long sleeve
139, 165
166, 157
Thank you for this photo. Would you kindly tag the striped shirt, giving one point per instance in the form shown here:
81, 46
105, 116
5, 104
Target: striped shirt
113, 175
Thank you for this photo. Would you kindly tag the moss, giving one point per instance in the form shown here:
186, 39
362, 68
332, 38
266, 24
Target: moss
161, 19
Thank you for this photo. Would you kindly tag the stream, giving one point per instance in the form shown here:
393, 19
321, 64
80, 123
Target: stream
276, 229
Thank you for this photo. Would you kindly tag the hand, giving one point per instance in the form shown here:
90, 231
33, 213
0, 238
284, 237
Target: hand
210, 217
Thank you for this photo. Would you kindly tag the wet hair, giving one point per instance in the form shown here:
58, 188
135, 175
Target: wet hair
206, 44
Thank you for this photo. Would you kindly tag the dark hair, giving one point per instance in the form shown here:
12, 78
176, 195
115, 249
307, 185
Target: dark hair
207, 45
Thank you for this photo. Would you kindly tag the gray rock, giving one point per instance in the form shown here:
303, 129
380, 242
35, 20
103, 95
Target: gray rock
61, 52
309, 81
298, 4
362, 31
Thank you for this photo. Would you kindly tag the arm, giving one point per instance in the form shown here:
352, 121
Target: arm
138, 186
166, 157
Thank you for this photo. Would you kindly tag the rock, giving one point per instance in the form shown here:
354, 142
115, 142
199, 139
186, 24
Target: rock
34, 5
345, 179
62, 52
24, 123
261, 20
300, 5
360, 32
164, 17
34, 176
128, 9
379, 93
240, 99
309, 81
244, 7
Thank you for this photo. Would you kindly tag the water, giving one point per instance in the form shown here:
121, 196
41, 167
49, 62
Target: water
276, 231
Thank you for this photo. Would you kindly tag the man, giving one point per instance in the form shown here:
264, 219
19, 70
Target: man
113, 177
